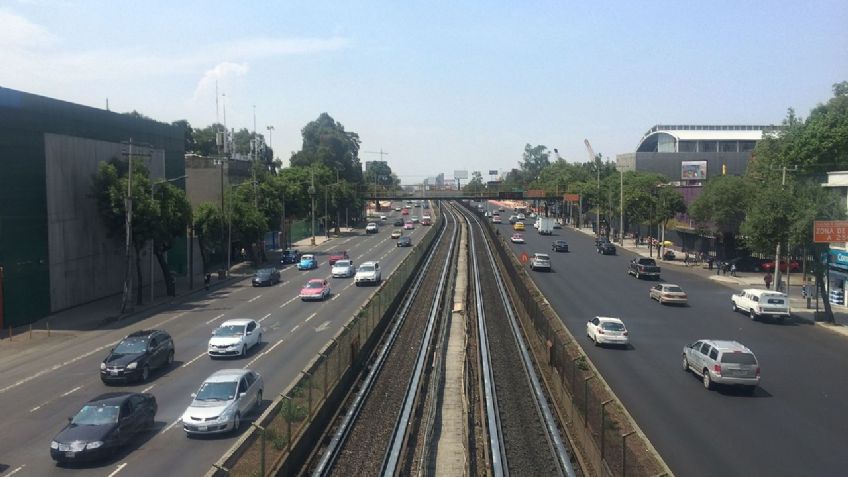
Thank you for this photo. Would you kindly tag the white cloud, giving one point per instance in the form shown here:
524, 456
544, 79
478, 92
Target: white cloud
222, 73
18, 33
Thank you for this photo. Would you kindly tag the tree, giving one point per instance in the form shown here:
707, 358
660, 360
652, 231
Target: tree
190, 144
721, 207
172, 214
325, 141
475, 185
208, 226
534, 159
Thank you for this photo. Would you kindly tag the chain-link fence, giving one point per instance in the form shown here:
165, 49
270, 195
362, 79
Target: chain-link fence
281, 438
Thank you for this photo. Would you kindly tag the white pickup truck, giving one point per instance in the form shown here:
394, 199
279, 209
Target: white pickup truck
759, 303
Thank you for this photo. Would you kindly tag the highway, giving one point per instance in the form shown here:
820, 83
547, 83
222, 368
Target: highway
38, 393
795, 424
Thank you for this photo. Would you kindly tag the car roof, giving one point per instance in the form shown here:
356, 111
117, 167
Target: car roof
142, 333
761, 292
670, 285
312, 280
338, 252
307, 256
539, 254
226, 375
236, 321
367, 263
609, 319
342, 262
727, 345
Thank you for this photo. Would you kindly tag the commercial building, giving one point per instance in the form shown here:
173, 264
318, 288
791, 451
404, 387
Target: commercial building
54, 249
837, 259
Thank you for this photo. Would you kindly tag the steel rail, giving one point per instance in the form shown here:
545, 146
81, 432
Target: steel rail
393, 455
331, 453
540, 400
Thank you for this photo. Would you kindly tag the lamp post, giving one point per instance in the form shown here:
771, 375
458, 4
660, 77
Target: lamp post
621, 206
598, 201
311, 192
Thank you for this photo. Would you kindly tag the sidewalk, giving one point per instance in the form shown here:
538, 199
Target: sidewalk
105, 313
743, 280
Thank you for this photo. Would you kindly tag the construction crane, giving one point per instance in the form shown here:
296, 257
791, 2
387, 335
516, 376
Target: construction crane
593, 158
381, 153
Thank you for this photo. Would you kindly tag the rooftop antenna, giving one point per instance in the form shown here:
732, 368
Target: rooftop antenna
107, 104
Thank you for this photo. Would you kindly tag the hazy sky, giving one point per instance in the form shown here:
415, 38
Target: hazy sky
439, 85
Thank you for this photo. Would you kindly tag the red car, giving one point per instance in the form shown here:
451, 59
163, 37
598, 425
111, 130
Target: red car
405, 211
339, 255
315, 289
794, 266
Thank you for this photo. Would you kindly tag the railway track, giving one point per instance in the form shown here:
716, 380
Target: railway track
389, 424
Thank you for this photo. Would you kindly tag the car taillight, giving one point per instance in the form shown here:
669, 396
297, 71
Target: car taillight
717, 369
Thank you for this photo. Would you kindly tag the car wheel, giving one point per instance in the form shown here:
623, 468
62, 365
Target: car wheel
733, 305
236, 422
752, 315
708, 382
637, 275
145, 373
259, 340
170, 360
685, 364
595, 340
243, 351
258, 404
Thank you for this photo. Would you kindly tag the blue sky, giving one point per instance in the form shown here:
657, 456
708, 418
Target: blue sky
439, 85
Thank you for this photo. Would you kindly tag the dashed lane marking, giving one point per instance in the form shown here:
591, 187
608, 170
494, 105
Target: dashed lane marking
264, 318
255, 298
278, 343
171, 425
335, 296
56, 366
120, 468
322, 327
148, 388
71, 391
310, 317
18, 469
213, 319
289, 301
168, 320
194, 359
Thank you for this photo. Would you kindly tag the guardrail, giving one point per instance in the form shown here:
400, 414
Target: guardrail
608, 440
281, 438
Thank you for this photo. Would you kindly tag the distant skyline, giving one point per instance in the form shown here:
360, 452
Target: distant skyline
438, 85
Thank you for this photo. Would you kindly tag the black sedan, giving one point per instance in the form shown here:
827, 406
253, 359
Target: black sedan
136, 355
398, 222
104, 424
606, 248
266, 277
404, 241
559, 246
290, 256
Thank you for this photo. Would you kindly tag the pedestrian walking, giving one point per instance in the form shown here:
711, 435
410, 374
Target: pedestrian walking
206, 280
710, 262
733, 270
768, 279
686, 259
724, 268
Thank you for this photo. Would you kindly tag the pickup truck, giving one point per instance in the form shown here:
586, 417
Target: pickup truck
644, 267
758, 303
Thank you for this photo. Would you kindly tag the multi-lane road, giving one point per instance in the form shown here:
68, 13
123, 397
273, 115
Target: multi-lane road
795, 424
39, 392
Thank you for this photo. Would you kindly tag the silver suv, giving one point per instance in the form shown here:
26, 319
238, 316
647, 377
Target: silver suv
722, 362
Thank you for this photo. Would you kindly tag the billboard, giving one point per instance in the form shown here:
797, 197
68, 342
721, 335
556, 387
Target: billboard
493, 172
693, 170
571, 197
534, 194
460, 174
827, 231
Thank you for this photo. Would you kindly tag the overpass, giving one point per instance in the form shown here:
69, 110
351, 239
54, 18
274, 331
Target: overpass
463, 195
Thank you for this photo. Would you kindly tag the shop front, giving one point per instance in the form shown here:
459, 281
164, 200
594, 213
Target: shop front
837, 275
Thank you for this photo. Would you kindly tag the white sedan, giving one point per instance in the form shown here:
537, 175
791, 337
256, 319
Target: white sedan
234, 338
517, 238
343, 269
607, 330
223, 401
668, 293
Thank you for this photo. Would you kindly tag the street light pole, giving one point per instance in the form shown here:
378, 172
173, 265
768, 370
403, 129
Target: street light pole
598, 202
311, 191
621, 207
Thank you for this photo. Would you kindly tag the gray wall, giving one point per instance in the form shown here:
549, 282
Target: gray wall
85, 264
668, 163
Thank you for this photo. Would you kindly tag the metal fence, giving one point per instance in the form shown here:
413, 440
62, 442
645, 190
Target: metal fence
282, 437
610, 441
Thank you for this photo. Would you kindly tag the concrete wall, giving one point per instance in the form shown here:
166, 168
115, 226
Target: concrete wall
85, 263
668, 164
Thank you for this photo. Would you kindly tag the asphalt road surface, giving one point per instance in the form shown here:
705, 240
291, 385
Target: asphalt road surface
38, 393
795, 424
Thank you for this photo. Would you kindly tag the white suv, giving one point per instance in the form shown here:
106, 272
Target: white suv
368, 272
758, 303
722, 362
540, 261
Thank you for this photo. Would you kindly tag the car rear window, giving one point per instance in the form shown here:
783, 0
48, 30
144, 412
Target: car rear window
674, 289
775, 301
610, 326
738, 358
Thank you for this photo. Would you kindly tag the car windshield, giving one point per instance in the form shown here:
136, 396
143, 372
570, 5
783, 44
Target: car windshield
306, 258
216, 391
343, 263
263, 273
230, 330
96, 415
314, 285
612, 326
366, 268
738, 358
674, 289
131, 346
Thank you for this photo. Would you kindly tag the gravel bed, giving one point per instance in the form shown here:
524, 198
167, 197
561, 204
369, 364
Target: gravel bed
366, 445
525, 440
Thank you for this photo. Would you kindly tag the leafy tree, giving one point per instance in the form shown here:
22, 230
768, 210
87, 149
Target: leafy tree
721, 207
190, 144
475, 185
534, 159
204, 140
209, 226
172, 214
326, 142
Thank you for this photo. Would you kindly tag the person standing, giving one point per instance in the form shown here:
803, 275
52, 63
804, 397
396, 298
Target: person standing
767, 279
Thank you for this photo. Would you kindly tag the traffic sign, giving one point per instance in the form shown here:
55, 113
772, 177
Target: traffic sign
534, 194
510, 195
571, 197
826, 231
523, 258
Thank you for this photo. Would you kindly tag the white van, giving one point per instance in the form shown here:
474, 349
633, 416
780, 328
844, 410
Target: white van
759, 303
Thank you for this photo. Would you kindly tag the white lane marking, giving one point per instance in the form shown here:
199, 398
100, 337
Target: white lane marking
195, 359
348, 286
148, 388
255, 298
168, 320
171, 425
120, 468
336, 296
290, 300
56, 366
38, 407
10, 474
72, 391
322, 327
310, 317
264, 318
295, 328
213, 319
278, 343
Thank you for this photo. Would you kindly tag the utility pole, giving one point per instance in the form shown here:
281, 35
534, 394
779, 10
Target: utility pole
777, 251
381, 153
595, 161
621, 207
312, 196
128, 231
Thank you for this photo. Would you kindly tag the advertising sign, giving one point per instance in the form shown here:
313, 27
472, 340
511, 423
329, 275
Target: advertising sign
534, 194
493, 172
460, 174
693, 170
826, 231
571, 197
